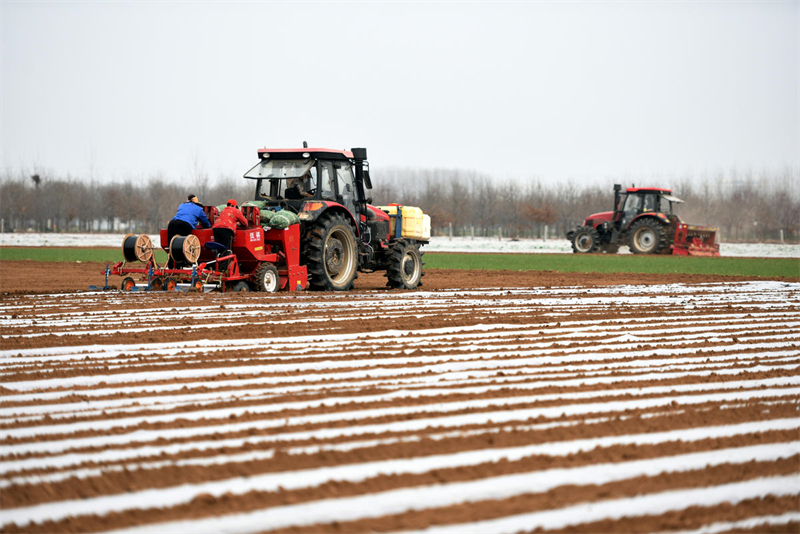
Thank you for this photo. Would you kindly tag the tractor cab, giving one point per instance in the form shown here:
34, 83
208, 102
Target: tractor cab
637, 201
308, 180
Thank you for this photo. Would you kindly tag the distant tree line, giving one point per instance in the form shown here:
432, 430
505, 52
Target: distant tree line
746, 207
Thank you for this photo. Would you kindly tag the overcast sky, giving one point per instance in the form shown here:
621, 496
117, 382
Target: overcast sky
557, 90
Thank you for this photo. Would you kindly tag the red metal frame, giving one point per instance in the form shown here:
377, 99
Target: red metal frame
691, 240
251, 247
637, 189
346, 153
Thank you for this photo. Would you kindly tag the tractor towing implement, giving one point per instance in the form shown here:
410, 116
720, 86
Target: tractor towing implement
310, 226
643, 219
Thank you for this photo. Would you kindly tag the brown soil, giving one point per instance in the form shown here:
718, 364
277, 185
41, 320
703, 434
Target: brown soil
45, 306
27, 276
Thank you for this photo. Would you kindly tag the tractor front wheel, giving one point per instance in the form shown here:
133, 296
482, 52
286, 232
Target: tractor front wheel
404, 270
647, 236
330, 254
266, 278
585, 240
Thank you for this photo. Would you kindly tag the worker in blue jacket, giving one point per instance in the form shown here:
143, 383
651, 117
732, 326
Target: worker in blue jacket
189, 214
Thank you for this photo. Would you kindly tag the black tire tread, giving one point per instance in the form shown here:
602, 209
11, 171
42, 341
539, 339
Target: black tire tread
394, 278
313, 248
595, 239
660, 231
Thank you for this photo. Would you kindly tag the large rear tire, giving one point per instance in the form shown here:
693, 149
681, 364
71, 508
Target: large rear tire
404, 270
331, 255
647, 236
585, 240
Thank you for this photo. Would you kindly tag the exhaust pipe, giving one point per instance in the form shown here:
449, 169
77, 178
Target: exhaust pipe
362, 177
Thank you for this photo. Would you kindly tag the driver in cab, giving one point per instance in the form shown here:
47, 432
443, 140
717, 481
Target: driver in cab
299, 188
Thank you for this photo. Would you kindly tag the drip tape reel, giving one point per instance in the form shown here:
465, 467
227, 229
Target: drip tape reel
184, 249
137, 248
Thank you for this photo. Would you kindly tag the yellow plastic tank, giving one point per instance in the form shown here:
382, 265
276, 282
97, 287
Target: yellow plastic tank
415, 225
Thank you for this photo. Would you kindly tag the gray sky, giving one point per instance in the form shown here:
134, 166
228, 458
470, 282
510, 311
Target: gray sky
558, 90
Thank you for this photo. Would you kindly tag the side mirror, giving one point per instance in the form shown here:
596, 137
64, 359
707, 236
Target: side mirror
367, 181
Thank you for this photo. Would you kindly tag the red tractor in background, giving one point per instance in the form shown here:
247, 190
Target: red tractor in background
309, 226
643, 219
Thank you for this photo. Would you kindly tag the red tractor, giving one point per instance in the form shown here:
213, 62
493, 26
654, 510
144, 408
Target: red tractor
341, 233
328, 232
644, 221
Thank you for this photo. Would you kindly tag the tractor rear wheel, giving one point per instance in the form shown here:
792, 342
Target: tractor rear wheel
585, 240
266, 278
647, 236
404, 270
330, 254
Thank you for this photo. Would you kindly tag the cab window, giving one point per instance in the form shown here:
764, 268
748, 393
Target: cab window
633, 206
344, 182
326, 180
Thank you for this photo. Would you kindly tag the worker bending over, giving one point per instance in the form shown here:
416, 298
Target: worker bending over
225, 226
189, 215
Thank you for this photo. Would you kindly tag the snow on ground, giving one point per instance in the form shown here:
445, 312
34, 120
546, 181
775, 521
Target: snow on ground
487, 244
437, 244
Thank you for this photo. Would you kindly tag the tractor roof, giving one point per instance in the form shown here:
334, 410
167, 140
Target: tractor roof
649, 190
327, 153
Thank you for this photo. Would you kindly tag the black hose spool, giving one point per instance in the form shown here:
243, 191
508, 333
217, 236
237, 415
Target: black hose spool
137, 248
184, 249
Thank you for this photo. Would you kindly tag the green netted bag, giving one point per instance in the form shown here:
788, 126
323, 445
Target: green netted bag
283, 219
279, 222
266, 215
292, 216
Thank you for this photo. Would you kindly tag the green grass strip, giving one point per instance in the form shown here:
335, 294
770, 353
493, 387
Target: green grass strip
565, 263
101, 255
612, 263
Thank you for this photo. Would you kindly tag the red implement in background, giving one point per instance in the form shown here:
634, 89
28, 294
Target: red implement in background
693, 240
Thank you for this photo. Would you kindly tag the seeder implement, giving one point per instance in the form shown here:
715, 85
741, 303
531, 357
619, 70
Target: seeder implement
261, 259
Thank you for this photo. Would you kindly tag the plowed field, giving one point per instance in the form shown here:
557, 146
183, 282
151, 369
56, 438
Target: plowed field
557, 404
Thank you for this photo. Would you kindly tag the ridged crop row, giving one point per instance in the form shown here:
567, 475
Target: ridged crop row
624, 409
